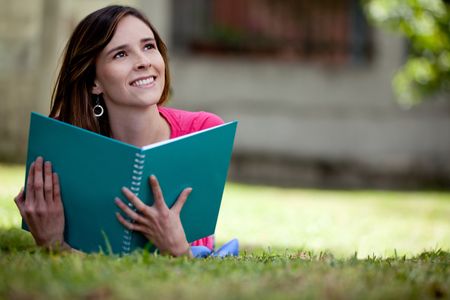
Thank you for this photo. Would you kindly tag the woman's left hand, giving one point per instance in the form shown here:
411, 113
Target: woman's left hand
161, 225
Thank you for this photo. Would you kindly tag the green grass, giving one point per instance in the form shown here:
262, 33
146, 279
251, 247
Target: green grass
297, 244
344, 222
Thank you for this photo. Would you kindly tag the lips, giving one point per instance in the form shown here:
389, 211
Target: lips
143, 81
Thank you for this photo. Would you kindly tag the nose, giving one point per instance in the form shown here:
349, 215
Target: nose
142, 62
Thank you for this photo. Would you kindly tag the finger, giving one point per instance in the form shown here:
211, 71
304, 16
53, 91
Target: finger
19, 200
38, 184
140, 206
30, 182
56, 188
178, 206
131, 213
48, 182
157, 193
129, 225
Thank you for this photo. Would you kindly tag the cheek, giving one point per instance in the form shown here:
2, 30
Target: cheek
163, 73
111, 77
159, 61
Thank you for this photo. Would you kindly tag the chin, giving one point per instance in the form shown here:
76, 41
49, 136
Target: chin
147, 103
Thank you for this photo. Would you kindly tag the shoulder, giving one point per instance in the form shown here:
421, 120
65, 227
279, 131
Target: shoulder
184, 122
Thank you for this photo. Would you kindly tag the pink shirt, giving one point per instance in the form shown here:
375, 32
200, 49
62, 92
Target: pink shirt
183, 122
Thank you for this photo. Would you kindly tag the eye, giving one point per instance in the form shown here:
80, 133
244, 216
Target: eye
149, 46
119, 54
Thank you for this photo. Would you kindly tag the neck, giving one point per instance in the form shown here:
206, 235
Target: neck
139, 127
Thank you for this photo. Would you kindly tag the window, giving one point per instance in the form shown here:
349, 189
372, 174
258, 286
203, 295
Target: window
326, 31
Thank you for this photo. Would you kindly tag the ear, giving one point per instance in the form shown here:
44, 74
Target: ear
96, 88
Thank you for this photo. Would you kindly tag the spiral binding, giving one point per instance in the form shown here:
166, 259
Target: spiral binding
138, 166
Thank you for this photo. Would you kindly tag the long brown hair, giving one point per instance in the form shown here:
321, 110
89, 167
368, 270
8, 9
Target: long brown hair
72, 101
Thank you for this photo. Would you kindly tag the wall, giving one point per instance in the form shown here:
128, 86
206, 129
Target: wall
309, 125
33, 34
300, 124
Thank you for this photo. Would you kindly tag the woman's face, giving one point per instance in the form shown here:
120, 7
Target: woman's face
130, 69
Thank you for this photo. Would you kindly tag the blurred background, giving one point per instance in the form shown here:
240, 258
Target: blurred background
337, 101
310, 83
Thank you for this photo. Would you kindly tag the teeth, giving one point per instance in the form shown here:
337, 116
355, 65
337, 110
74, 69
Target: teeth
143, 81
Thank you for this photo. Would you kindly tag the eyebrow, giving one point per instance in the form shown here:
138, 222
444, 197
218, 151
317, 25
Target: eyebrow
124, 46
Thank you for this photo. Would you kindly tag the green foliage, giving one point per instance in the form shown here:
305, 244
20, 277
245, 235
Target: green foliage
426, 25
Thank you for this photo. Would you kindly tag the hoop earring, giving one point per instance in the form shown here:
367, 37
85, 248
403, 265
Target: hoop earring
98, 109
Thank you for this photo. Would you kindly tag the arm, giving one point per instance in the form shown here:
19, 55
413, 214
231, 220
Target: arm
161, 225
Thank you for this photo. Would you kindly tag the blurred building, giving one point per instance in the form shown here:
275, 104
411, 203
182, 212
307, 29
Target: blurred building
309, 81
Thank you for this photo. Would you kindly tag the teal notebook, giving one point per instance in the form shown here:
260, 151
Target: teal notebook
93, 168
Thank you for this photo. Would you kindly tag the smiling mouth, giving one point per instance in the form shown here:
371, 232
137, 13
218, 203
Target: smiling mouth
143, 81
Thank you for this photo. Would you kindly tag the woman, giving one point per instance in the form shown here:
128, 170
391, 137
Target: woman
114, 80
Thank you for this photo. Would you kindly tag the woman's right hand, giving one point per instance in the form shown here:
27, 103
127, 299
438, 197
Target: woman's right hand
41, 206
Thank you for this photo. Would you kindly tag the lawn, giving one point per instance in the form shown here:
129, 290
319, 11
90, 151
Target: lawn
296, 243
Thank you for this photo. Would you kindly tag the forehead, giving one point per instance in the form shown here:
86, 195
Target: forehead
130, 30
